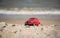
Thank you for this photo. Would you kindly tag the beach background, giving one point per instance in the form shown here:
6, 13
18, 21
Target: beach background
14, 13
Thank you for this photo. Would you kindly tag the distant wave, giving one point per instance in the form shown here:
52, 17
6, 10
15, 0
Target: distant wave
29, 12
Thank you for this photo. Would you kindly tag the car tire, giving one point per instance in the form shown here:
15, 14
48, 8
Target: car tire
35, 25
31, 24
25, 24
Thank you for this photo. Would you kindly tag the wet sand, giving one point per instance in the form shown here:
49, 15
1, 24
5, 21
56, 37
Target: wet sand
20, 19
44, 22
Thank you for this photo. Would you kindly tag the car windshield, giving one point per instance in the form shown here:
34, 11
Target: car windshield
32, 18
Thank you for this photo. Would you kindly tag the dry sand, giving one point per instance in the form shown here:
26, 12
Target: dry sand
20, 31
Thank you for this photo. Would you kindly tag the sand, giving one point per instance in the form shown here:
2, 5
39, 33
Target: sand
8, 30
22, 22
47, 19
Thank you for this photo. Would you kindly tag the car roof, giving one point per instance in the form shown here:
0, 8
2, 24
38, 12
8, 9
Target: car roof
33, 18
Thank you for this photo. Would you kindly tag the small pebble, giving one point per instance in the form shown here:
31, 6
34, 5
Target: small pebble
41, 24
0, 36
20, 30
6, 24
1, 29
54, 25
41, 28
3, 26
13, 25
15, 31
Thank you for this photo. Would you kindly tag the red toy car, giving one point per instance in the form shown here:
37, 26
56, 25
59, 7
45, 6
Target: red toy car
32, 22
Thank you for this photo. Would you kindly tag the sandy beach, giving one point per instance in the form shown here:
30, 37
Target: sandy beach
12, 26
20, 31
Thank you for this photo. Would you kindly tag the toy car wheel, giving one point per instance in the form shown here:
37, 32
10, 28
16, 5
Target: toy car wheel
31, 24
36, 25
26, 24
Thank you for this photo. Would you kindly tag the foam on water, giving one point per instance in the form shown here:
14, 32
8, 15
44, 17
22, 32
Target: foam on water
28, 12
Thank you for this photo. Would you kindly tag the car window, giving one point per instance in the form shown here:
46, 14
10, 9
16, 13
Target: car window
32, 18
